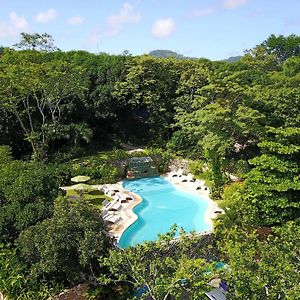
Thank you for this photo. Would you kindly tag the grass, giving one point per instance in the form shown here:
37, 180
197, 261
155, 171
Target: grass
94, 197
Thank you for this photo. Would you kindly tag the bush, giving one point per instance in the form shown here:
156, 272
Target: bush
161, 158
27, 194
197, 167
66, 246
230, 190
5, 155
100, 173
182, 143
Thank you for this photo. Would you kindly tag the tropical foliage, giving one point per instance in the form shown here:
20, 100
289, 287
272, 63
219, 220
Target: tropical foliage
161, 269
234, 120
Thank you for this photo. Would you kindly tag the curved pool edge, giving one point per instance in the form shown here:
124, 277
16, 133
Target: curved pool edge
131, 217
187, 187
129, 213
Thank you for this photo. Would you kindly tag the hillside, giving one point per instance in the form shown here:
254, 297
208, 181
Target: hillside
166, 53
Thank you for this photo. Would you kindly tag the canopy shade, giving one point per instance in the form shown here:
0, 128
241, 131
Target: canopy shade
80, 178
79, 187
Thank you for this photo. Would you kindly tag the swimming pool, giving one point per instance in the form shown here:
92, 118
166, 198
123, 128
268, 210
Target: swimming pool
163, 205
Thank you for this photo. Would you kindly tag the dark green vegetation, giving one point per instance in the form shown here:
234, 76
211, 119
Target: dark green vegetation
59, 109
166, 53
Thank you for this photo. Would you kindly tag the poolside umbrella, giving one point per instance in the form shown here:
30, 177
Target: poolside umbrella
82, 187
80, 178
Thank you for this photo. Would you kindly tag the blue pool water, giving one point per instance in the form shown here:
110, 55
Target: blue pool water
163, 205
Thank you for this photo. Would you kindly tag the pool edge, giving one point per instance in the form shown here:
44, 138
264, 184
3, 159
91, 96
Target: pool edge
208, 216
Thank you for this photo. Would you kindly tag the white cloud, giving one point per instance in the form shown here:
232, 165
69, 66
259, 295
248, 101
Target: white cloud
46, 16
93, 36
163, 28
115, 23
231, 4
18, 22
202, 12
75, 20
15, 25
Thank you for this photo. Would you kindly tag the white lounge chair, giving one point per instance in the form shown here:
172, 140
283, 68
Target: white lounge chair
199, 184
190, 177
180, 172
187, 178
116, 197
172, 174
107, 214
110, 204
105, 203
124, 196
113, 219
115, 205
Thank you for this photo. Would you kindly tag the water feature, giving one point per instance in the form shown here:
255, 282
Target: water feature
163, 205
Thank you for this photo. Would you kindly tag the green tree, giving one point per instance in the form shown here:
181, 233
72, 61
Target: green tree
283, 47
5, 155
36, 94
162, 268
28, 191
219, 118
148, 93
269, 195
36, 41
65, 246
273, 185
14, 280
264, 264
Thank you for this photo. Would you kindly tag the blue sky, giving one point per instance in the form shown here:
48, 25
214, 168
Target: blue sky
215, 29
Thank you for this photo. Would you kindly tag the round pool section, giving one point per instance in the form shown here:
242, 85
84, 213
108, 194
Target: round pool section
162, 206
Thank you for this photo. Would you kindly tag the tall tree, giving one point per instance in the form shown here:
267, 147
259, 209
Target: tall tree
161, 268
264, 264
36, 92
36, 41
283, 47
27, 194
148, 93
273, 185
65, 246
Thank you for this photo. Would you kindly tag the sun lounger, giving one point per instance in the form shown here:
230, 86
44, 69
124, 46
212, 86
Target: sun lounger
113, 219
105, 203
124, 196
116, 197
178, 173
183, 178
115, 206
106, 214
172, 174
190, 177
187, 178
199, 184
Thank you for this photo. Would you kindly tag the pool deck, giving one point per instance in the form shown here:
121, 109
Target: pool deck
129, 217
126, 213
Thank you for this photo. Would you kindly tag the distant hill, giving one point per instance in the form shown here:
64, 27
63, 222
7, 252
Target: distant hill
233, 58
169, 53
166, 53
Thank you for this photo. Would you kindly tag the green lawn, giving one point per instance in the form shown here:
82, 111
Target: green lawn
94, 197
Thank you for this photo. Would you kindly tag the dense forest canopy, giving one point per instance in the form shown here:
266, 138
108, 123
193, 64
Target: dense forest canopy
240, 118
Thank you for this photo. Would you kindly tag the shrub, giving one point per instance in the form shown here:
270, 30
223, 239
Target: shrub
197, 167
161, 158
5, 155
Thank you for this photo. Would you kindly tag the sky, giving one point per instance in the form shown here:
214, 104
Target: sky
215, 29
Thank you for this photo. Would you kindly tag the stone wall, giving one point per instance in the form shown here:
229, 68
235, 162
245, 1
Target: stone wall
176, 164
